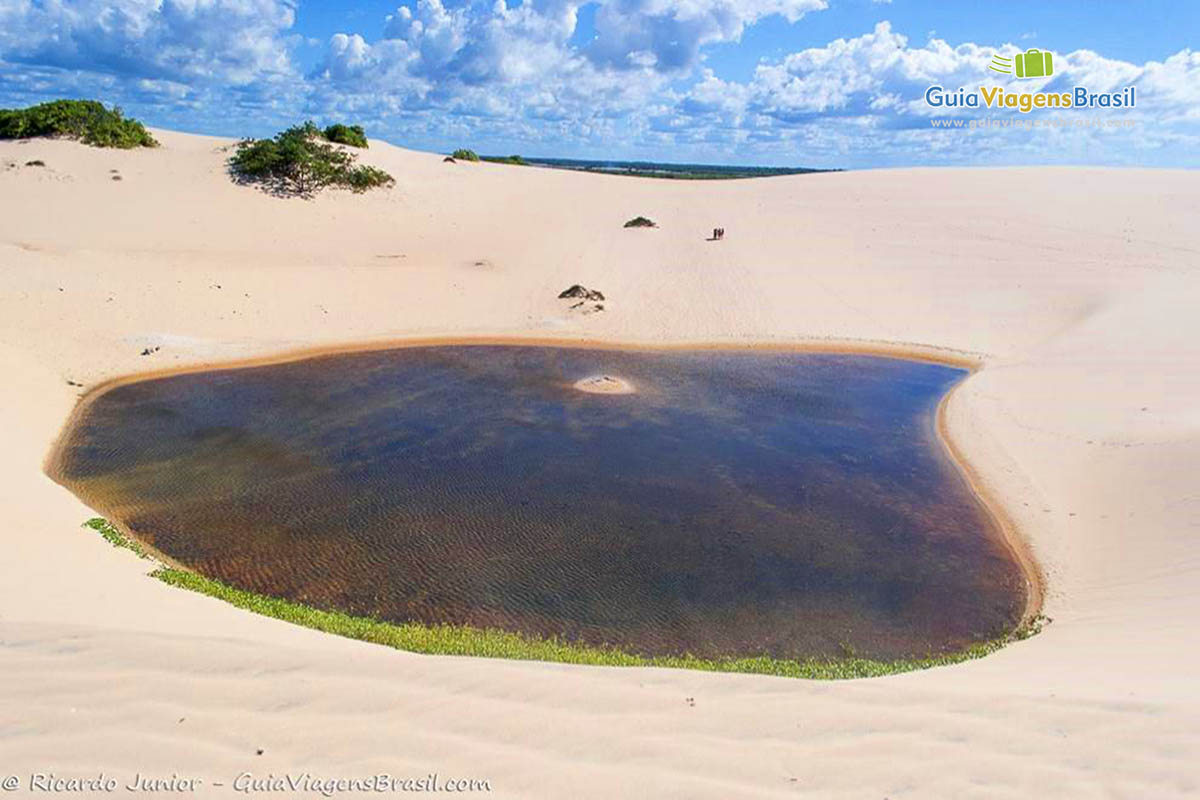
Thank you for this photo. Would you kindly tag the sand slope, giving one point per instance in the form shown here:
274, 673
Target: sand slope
1084, 423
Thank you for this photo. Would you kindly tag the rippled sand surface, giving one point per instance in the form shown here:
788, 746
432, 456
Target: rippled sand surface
739, 503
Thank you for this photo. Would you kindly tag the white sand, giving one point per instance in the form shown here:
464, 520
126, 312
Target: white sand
1084, 424
605, 384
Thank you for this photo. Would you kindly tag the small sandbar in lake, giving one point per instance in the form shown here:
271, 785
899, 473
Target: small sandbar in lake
738, 503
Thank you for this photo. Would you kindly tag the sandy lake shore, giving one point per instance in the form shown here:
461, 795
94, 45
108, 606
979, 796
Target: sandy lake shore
1081, 424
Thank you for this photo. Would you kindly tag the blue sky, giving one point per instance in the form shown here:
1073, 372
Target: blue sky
833, 83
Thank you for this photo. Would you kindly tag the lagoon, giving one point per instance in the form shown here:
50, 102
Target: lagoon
729, 503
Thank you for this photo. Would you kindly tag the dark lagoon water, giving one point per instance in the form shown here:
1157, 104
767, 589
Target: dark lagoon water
739, 503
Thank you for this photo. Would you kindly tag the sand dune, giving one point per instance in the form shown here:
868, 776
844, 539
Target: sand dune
1083, 423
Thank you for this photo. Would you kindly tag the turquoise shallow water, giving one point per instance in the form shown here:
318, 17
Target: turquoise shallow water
740, 503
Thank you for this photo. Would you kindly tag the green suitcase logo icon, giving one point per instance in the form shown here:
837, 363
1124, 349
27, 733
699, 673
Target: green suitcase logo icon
1034, 63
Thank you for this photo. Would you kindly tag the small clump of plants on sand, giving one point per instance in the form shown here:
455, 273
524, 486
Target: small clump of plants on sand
301, 161
87, 121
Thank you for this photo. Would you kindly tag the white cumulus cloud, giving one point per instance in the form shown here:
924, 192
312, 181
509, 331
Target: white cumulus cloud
229, 42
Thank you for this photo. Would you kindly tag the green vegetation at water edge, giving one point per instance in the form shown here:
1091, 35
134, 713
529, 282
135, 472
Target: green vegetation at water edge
300, 162
114, 536
85, 120
352, 135
460, 640
463, 154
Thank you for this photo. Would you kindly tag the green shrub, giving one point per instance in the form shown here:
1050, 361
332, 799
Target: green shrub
352, 135
462, 154
86, 120
641, 222
300, 162
362, 178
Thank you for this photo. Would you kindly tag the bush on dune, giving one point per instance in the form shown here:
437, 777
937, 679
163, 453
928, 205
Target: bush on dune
352, 135
299, 162
362, 178
85, 120
462, 154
